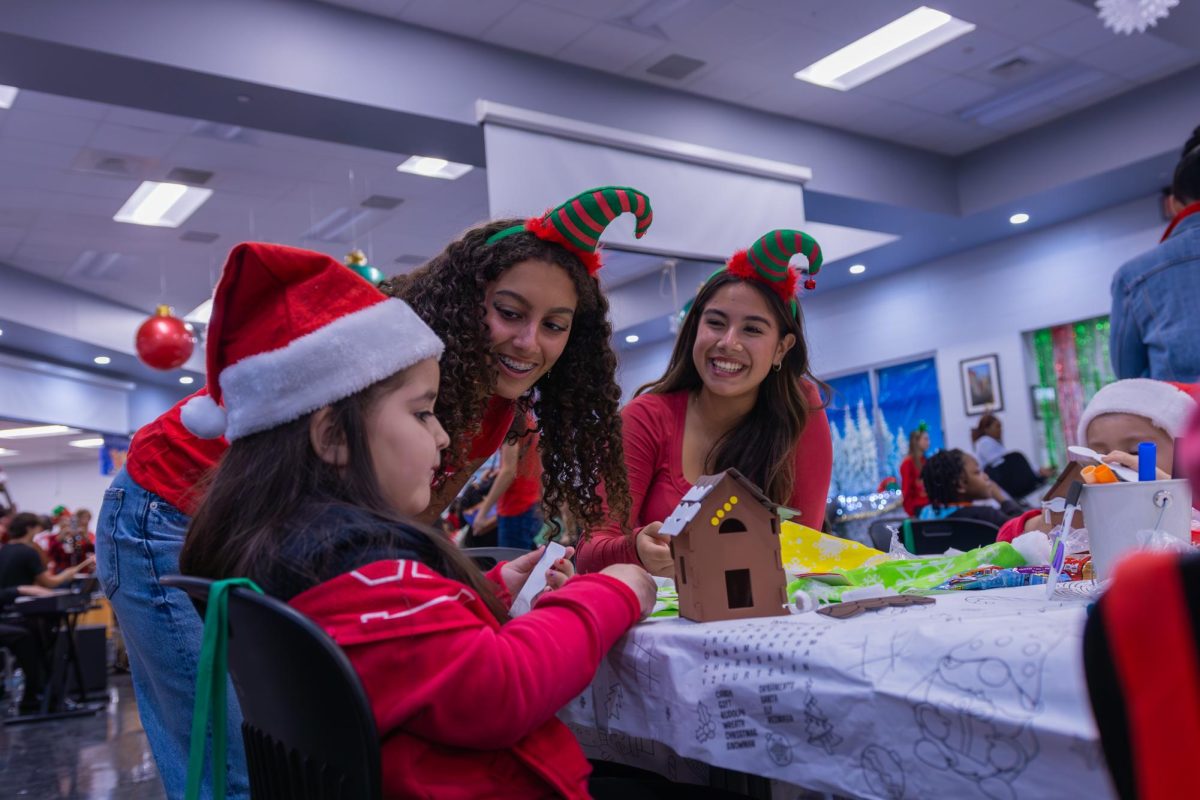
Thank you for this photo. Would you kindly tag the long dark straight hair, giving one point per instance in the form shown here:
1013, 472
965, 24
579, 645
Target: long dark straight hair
265, 480
762, 446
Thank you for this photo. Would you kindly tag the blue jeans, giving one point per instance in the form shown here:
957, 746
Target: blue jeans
138, 540
520, 530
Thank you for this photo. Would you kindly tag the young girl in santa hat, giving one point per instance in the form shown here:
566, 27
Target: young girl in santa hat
526, 324
1119, 417
332, 448
738, 392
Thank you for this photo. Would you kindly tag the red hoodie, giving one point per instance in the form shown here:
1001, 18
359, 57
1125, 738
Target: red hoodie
465, 706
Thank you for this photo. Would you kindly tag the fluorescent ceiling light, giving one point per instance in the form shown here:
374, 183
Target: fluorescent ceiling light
1019, 219
632, 338
896, 43
36, 431
8, 95
201, 314
857, 269
431, 167
187, 380
102, 360
163, 205
4, 451
96, 442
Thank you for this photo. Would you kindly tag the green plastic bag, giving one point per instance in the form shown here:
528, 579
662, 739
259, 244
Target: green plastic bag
911, 575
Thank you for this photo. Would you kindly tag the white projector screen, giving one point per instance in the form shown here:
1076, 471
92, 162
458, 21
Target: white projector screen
700, 211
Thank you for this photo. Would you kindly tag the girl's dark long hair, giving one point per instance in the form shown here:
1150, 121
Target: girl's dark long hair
982, 427
576, 403
267, 480
763, 445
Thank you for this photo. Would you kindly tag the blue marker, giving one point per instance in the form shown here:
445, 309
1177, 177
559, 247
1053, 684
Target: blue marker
1147, 461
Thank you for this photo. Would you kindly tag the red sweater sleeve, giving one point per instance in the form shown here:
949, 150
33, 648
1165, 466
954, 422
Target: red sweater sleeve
643, 434
814, 464
1015, 526
434, 666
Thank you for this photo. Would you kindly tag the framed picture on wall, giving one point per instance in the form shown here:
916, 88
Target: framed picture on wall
1042, 396
981, 384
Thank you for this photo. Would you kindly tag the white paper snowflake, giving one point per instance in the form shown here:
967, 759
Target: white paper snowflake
1127, 16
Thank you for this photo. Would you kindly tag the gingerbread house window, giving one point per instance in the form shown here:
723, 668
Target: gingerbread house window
737, 588
732, 525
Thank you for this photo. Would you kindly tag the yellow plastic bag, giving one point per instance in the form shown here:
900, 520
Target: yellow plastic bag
804, 549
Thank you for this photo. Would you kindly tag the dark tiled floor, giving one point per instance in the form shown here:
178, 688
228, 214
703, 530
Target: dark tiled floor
86, 758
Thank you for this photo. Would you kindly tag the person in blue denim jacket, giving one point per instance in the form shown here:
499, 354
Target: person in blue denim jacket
1155, 326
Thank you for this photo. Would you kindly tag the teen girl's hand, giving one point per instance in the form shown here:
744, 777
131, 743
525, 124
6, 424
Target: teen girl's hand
637, 579
517, 571
1131, 461
654, 551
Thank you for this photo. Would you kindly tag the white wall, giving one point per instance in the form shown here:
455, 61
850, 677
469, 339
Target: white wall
969, 304
979, 302
74, 484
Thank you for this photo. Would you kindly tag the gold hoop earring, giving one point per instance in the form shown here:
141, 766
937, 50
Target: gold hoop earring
778, 366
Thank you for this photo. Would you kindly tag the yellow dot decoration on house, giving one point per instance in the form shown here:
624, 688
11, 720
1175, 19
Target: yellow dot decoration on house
728, 507
733, 500
715, 521
720, 513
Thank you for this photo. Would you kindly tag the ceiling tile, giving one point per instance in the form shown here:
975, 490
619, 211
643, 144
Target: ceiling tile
136, 141
41, 126
903, 81
790, 48
1080, 36
383, 8
1023, 19
848, 21
460, 17
56, 104
950, 95
610, 48
887, 119
737, 79
729, 29
537, 29
970, 50
1134, 56
150, 120
947, 136
599, 10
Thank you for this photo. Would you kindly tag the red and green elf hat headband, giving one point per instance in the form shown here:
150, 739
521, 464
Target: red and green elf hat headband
578, 223
767, 262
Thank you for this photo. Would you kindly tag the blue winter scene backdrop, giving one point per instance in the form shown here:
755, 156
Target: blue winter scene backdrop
871, 415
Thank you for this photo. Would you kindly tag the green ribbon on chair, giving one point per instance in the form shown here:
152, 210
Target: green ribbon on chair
212, 680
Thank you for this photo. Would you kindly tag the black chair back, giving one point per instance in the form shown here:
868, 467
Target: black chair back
928, 537
1015, 475
487, 557
307, 724
880, 531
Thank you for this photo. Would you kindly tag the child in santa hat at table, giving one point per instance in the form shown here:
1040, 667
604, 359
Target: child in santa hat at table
1119, 417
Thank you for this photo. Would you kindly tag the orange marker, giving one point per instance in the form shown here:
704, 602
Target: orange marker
1104, 474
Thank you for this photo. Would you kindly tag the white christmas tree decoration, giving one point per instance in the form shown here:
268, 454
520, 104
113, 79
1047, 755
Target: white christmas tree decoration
1127, 16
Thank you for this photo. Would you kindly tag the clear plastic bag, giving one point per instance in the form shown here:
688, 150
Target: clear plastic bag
1159, 541
896, 548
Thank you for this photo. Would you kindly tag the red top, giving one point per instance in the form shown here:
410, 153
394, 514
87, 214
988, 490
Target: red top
526, 488
911, 487
465, 706
169, 460
653, 435
498, 417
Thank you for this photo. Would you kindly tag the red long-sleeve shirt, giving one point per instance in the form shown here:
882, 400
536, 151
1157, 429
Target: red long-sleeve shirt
465, 706
911, 487
653, 435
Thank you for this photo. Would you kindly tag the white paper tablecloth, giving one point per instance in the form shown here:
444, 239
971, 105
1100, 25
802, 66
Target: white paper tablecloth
980, 695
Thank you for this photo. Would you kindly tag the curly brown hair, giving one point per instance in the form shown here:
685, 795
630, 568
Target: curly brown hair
576, 402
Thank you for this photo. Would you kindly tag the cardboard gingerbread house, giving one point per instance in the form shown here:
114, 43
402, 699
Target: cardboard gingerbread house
725, 542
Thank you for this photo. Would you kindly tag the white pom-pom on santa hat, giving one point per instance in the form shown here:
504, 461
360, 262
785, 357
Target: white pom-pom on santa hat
202, 416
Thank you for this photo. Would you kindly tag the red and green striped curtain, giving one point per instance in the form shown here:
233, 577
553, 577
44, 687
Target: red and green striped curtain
1073, 364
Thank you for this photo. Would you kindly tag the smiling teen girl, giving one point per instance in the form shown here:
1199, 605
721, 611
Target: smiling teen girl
526, 326
332, 446
737, 393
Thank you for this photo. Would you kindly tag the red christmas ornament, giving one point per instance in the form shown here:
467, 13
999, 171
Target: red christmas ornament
165, 341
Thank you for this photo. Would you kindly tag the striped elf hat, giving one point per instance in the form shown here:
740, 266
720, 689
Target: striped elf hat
767, 262
578, 223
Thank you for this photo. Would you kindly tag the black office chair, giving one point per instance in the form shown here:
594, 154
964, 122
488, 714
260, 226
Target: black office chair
929, 537
487, 557
307, 724
880, 534
1015, 475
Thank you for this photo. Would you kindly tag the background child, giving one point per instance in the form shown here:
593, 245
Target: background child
332, 446
954, 481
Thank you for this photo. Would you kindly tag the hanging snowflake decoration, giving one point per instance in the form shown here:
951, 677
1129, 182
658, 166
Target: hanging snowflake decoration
1127, 16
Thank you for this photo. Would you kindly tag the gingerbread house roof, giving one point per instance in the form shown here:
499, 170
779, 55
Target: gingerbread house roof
690, 504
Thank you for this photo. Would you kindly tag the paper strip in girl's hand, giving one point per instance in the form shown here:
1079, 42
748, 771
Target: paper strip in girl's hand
536, 581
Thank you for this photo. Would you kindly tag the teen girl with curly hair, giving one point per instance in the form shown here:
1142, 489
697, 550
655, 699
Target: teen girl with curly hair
526, 327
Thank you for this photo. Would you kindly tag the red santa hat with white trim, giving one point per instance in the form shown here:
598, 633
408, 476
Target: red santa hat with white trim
1167, 405
292, 331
